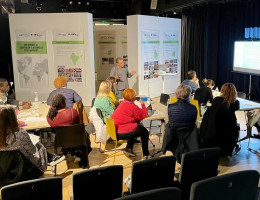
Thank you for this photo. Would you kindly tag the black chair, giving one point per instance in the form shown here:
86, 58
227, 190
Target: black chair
40, 189
15, 167
152, 174
241, 185
69, 137
196, 166
98, 183
170, 193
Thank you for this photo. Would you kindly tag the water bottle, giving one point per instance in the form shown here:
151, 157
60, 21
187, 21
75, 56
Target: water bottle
148, 101
36, 99
36, 106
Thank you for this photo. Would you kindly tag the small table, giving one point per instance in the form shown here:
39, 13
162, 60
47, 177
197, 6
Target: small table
32, 121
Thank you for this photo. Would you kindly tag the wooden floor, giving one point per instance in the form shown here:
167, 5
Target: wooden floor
242, 161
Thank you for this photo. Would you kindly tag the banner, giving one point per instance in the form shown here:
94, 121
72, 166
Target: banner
150, 53
170, 51
68, 49
31, 58
107, 49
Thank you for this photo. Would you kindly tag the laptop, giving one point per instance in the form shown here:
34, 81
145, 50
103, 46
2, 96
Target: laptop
164, 99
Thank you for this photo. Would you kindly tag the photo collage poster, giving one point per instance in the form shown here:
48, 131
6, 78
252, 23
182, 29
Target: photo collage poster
170, 51
150, 53
107, 49
68, 48
32, 59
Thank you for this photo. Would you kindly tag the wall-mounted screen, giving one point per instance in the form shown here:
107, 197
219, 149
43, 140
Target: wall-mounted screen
247, 56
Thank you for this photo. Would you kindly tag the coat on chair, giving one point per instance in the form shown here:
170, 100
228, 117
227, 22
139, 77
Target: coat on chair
219, 129
181, 138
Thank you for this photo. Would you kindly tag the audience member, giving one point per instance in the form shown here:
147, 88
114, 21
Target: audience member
103, 101
12, 137
204, 94
121, 74
71, 96
181, 134
253, 120
59, 115
191, 81
5, 99
182, 111
127, 118
112, 93
219, 124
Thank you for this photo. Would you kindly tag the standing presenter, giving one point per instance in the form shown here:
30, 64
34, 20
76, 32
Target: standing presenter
121, 74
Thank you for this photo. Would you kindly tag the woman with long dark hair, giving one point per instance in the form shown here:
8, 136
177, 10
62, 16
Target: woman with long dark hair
219, 124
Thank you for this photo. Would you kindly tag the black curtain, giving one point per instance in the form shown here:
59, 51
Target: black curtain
6, 68
193, 35
211, 53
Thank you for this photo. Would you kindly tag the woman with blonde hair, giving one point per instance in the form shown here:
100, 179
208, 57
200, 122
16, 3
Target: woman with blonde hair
219, 124
103, 101
112, 93
71, 96
127, 118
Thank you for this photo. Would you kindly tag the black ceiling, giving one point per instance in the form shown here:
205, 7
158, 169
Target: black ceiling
104, 9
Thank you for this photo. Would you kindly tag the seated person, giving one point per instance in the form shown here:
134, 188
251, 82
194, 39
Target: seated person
5, 99
127, 119
103, 101
59, 115
12, 137
71, 96
219, 124
191, 81
182, 111
181, 133
253, 120
113, 91
204, 94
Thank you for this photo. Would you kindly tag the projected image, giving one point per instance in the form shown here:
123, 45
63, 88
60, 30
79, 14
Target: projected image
247, 57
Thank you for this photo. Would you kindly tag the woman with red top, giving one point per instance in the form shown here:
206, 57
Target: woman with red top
127, 119
59, 115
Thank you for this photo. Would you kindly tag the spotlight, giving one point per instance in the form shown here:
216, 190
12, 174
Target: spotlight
174, 12
70, 2
79, 2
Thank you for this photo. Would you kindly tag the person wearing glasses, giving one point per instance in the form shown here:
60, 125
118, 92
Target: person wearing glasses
121, 74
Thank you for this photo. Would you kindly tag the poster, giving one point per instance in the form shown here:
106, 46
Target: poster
68, 49
170, 51
123, 42
107, 50
150, 53
31, 59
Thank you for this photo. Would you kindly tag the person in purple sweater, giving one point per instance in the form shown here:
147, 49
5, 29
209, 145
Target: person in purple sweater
71, 96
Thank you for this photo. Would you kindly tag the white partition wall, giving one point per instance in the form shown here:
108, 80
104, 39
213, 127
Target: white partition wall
110, 42
164, 37
45, 46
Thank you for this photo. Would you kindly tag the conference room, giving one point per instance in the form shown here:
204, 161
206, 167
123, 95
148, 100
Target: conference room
218, 40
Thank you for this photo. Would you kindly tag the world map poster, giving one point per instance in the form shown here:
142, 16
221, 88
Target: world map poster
32, 59
68, 48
